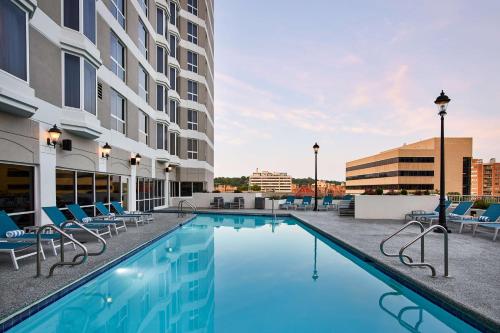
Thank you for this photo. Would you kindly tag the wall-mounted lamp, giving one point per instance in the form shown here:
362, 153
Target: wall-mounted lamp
106, 149
169, 168
135, 160
54, 134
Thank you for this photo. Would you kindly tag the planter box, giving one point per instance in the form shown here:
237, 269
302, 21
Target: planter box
392, 207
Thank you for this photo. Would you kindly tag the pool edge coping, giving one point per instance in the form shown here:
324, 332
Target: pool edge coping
17, 317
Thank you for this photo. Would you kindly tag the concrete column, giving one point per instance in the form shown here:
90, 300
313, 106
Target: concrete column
166, 191
46, 179
132, 189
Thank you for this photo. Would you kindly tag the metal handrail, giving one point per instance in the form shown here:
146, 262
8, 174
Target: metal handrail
422, 250
180, 207
61, 240
424, 264
99, 238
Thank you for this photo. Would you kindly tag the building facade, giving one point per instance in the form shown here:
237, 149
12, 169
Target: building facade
413, 167
485, 177
132, 75
271, 181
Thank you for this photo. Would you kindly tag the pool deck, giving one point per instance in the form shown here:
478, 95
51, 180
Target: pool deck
474, 262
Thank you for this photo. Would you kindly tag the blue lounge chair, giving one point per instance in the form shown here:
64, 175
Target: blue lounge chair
327, 203
104, 211
14, 248
306, 203
461, 209
289, 203
82, 217
7, 224
58, 218
492, 215
147, 217
422, 213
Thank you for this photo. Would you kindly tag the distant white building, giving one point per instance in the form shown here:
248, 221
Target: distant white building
271, 181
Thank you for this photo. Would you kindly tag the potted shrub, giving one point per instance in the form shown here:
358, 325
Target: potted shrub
404, 192
379, 191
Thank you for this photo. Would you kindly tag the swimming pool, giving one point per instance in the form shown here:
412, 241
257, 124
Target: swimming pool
234, 273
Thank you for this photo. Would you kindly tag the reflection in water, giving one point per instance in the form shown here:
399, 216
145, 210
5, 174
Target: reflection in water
315, 275
402, 312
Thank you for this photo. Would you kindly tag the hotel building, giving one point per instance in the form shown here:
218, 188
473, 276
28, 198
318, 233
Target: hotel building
135, 76
271, 181
413, 167
485, 179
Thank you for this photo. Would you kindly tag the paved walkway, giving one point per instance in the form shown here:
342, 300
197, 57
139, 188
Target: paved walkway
19, 289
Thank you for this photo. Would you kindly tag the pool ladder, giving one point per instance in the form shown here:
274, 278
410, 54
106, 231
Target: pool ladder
407, 260
180, 207
75, 261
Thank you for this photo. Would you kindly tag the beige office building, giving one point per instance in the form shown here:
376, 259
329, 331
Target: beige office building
133, 75
413, 167
272, 181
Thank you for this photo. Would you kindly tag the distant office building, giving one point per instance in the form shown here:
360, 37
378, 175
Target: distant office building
485, 177
272, 181
413, 167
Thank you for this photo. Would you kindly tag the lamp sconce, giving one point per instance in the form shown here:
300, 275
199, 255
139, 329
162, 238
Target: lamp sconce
54, 134
169, 168
135, 160
106, 149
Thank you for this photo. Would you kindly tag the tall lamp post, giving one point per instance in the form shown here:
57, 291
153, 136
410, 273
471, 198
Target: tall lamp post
316, 148
442, 103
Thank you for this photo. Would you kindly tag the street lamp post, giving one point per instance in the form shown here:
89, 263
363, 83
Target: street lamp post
316, 148
442, 103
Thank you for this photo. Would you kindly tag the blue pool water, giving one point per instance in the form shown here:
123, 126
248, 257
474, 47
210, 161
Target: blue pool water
242, 274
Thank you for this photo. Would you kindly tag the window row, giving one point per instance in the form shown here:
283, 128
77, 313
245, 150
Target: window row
185, 189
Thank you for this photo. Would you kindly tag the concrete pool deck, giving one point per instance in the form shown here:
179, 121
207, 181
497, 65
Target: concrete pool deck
474, 262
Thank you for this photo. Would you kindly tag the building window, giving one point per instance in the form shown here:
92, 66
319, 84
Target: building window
85, 189
174, 189
173, 46
173, 78
117, 57
101, 188
143, 83
65, 188
13, 50
160, 18
160, 59
174, 112
192, 31
173, 13
192, 61
150, 193
466, 175
17, 191
188, 188
161, 136
161, 93
143, 127
73, 68
192, 149
174, 144
118, 113
193, 7
192, 120
192, 91
144, 6
117, 8
143, 39
72, 17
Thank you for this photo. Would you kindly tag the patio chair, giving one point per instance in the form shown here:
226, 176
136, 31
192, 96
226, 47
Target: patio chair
104, 211
461, 209
327, 203
13, 250
289, 203
217, 203
238, 203
422, 213
81, 216
305, 204
7, 224
58, 218
489, 219
146, 217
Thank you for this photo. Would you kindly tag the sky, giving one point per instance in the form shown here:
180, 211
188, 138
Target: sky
358, 77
